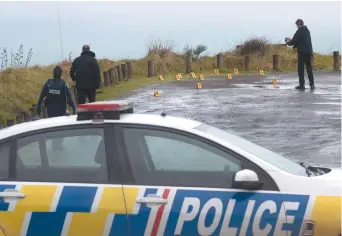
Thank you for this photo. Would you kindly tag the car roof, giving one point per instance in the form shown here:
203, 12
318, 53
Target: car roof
146, 119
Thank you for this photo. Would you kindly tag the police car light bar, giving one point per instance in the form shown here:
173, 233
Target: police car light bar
105, 106
103, 110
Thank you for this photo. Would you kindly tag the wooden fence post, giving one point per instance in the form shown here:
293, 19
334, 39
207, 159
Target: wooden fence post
106, 78
188, 64
111, 76
10, 122
23, 116
33, 111
101, 84
337, 63
129, 70
27, 116
276, 62
149, 69
115, 74
19, 118
118, 68
247, 63
124, 71
219, 61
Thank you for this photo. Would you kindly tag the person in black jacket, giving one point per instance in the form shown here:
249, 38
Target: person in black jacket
302, 42
85, 71
56, 96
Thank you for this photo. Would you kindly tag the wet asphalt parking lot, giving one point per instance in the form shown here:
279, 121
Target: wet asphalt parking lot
301, 125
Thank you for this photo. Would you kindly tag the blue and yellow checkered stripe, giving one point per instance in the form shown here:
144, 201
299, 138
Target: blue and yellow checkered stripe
326, 214
80, 210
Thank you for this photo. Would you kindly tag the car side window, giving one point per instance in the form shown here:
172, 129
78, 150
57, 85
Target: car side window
4, 161
164, 158
73, 155
68, 151
174, 154
30, 154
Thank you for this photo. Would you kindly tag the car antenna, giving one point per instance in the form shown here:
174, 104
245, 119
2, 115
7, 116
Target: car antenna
60, 31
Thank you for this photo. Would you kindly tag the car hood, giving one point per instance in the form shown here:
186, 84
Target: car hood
327, 184
334, 175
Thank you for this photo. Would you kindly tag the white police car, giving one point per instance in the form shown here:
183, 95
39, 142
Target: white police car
109, 171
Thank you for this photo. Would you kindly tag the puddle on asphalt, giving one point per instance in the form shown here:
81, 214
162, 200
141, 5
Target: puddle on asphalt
326, 97
336, 113
274, 86
327, 92
253, 86
328, 103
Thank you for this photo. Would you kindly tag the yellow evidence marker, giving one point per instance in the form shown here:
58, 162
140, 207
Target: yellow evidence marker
229, 76
216, 71
236, 71
156, 93
274, 81
161, 77
261, 72
192, 75
201, 77
198, 85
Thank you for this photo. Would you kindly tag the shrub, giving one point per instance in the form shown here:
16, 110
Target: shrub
160, 47
254, 45
17, 59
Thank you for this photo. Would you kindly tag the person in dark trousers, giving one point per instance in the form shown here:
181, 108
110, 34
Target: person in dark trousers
302, 42
56, 96
85, 71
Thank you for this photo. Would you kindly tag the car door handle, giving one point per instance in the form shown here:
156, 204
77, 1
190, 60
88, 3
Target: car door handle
11, 194
152, 200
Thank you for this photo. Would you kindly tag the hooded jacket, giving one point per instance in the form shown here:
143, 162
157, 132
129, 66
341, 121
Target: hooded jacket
302, 41
85, 71
56, 95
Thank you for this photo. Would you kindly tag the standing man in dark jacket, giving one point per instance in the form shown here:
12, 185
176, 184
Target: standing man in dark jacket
302, 41
85, 71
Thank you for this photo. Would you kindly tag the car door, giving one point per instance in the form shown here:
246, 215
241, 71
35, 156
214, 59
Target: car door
185, 187
62, 181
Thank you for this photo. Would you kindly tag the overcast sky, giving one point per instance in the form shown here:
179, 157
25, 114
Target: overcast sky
121, 29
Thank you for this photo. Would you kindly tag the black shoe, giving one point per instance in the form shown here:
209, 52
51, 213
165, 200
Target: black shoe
312, 86
300, 87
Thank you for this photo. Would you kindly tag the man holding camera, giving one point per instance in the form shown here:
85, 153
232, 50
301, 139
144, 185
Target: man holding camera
302, 41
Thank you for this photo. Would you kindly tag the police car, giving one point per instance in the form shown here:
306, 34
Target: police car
109, 171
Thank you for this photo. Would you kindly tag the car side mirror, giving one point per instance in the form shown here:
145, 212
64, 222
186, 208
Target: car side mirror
246, 179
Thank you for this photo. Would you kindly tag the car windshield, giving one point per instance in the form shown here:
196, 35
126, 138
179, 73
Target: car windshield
262, 153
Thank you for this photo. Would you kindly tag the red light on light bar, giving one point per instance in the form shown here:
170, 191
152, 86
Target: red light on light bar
104, 106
